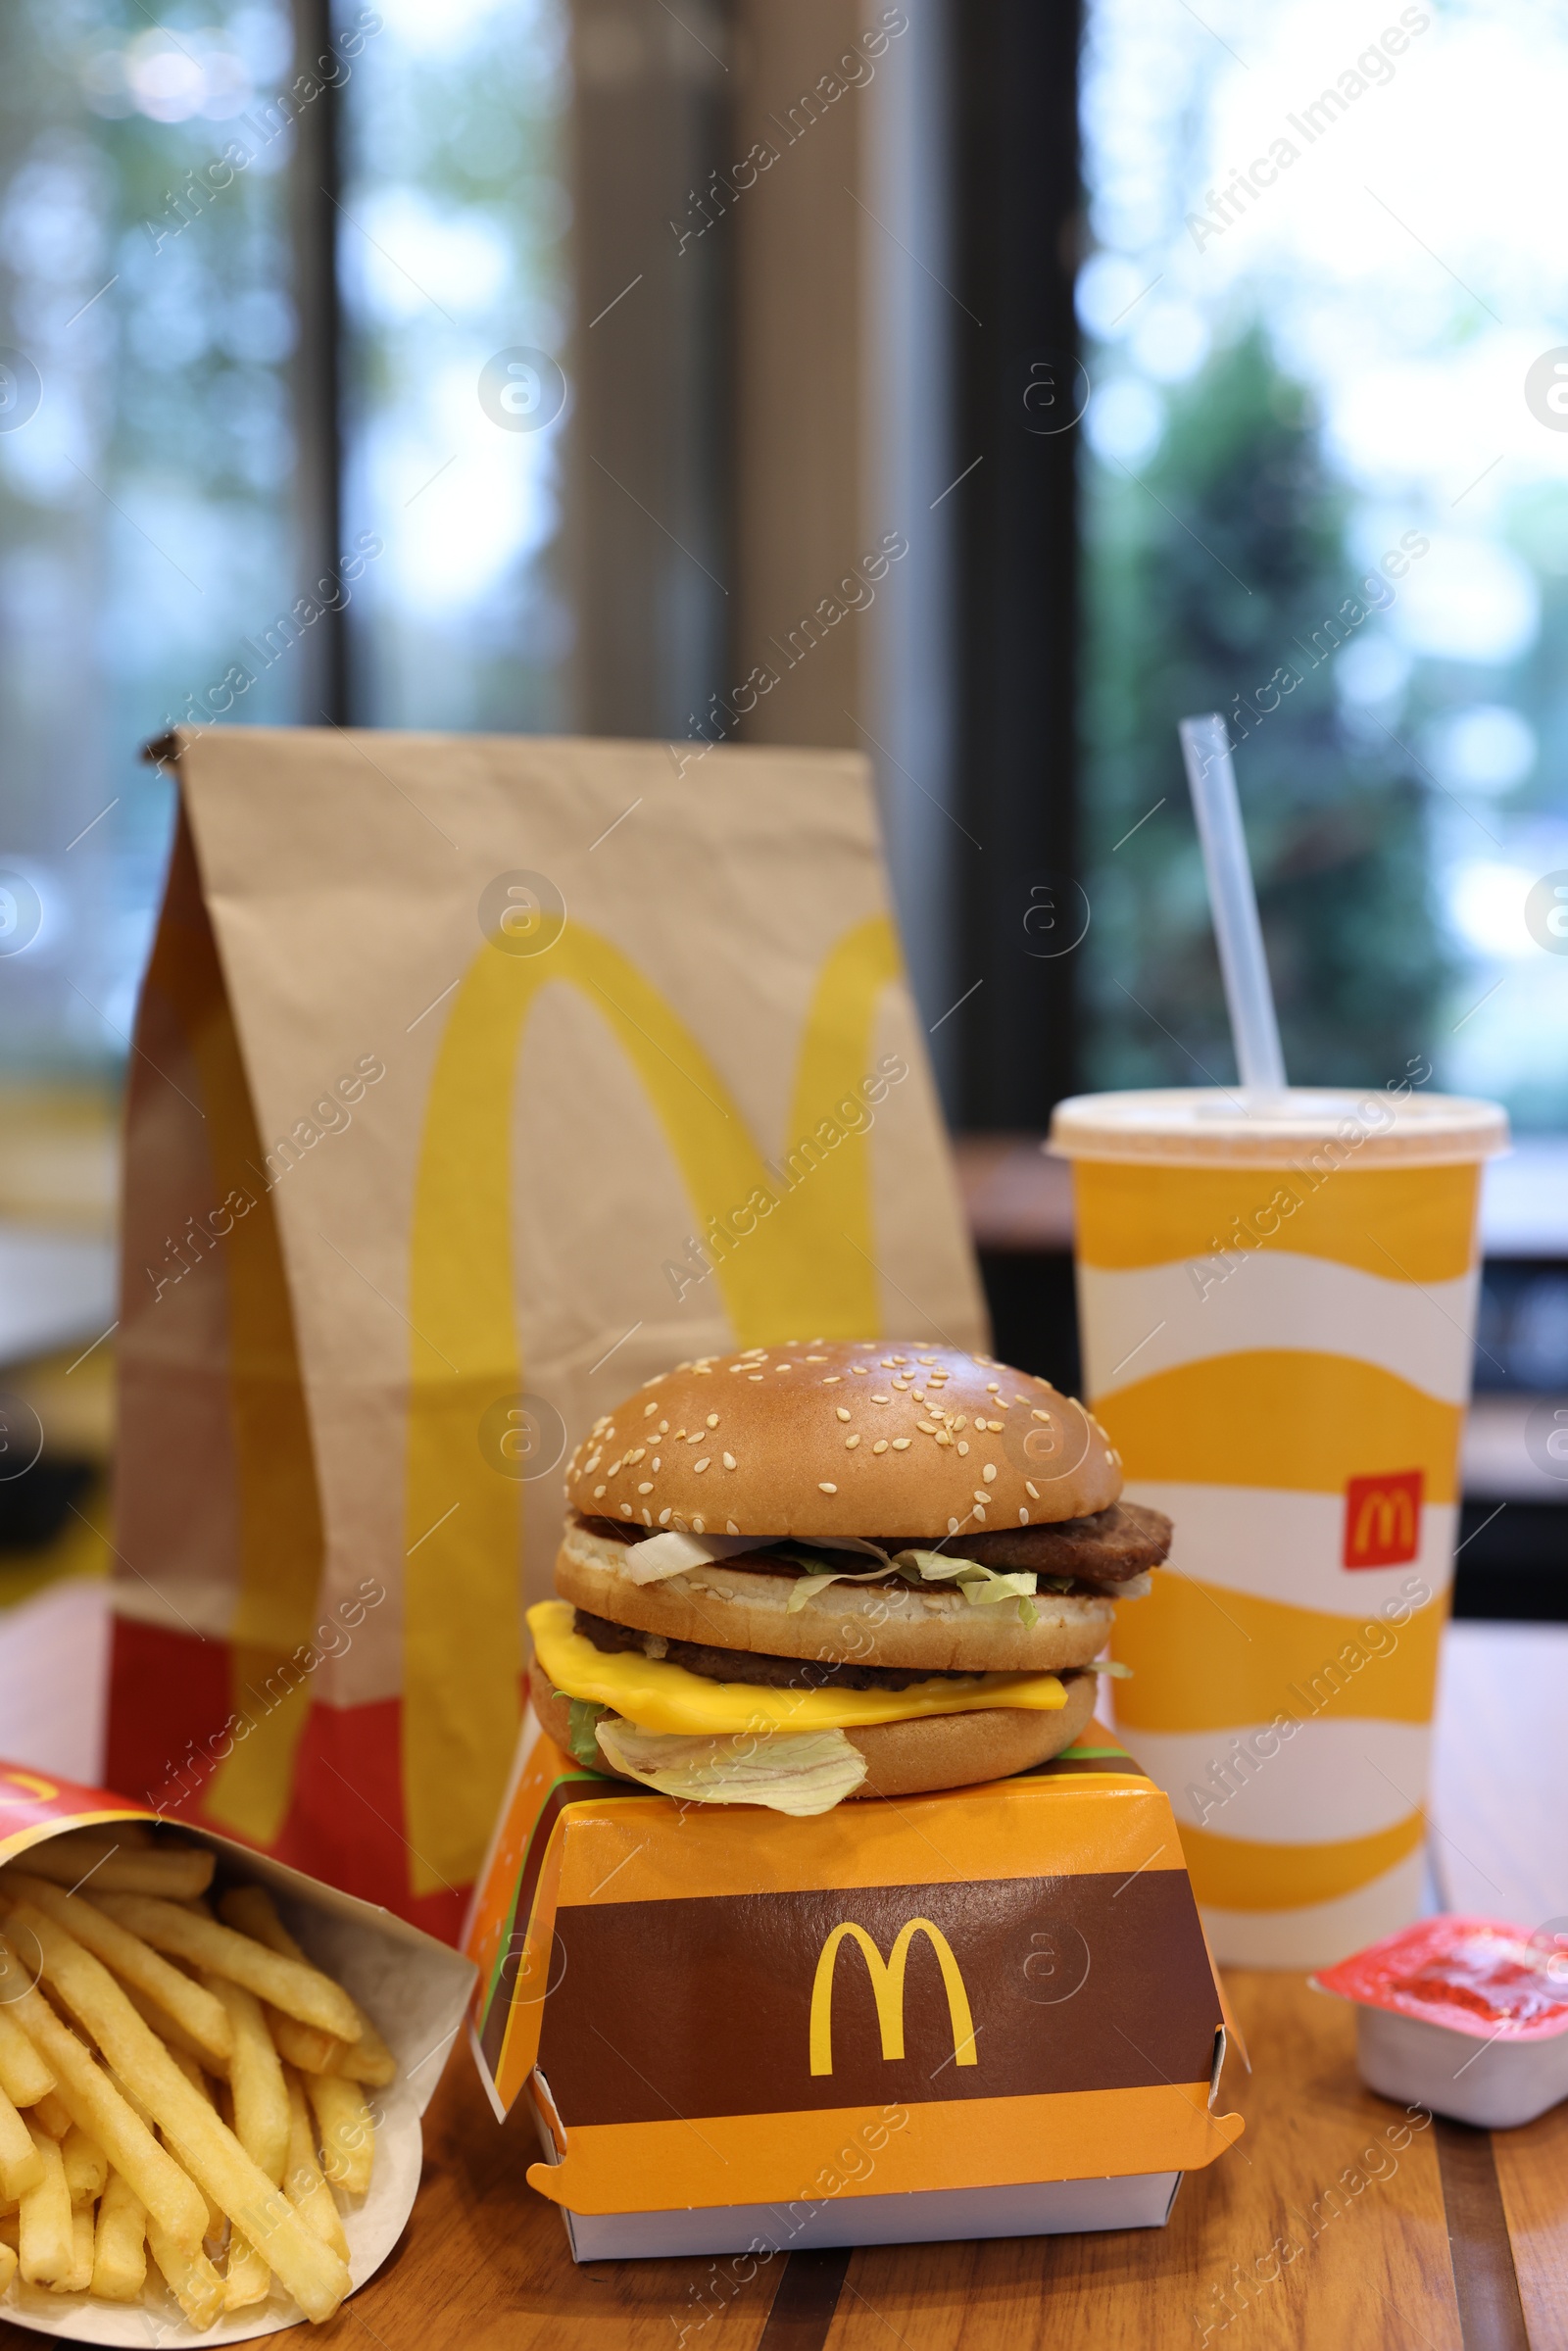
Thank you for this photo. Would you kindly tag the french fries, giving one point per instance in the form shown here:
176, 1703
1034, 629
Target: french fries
46, 2239
120, 2245
178, 2096
201, 2018
252, 1910
291, 1985
87, 2166
24, 2076
172, 2198
21, 2165
103, 1858
304, 2180
123, 2160
189, 2276
256, 2081
347, 2133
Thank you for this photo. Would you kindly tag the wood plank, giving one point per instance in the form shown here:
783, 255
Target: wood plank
1532, 2174
1316, 2173
1479, 2252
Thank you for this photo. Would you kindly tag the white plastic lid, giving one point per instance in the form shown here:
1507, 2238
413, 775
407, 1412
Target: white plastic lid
1197, 1126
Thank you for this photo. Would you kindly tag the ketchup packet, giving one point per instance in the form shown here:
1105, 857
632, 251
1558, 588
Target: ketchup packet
1477, 1976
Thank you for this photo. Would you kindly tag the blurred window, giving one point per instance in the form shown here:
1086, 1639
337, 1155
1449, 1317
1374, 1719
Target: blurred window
1326, 492
168, 456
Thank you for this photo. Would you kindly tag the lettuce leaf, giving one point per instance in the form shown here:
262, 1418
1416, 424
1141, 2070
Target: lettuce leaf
801, 1773
983, 1586
584, 1719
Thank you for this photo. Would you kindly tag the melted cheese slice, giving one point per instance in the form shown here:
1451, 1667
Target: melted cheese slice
659, 1696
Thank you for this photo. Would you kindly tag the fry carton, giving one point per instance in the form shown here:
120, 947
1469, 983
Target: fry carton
988, 2012
413, 1989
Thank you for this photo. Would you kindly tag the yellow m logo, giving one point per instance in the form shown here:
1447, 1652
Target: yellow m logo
1386, 1521
887, 1990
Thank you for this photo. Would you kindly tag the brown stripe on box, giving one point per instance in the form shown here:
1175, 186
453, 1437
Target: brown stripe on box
704, 2007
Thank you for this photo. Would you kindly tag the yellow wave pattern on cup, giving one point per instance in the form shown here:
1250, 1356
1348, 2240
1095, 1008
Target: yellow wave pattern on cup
1306, 1334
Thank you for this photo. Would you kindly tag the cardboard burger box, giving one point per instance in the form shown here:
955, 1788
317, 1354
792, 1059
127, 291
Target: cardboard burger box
987, 2012
414, 1989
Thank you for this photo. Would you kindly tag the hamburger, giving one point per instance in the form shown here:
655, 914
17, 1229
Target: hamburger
805, 1573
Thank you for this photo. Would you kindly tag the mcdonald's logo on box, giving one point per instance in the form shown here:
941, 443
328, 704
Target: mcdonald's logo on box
1383, 1519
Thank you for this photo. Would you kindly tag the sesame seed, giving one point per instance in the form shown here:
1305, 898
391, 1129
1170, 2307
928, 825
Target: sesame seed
1031, 1490
751, 1351
824, 1488
649, 1409
783, 1367
964, 1441
817, 1358
943, 1438
880, 1400
980, 1514
702, 1464
980, 1494
730, 1460
888, 1361
962, 1421
648, 1518
881, 1445
1023, 1518
664, 1428
633, 1457
647, 1485
901, 1385
730, 1528
697, 1526
861, 1370
902, 1444
925, 1358
654, 1464
849, 1444
625, 1509
952, 1525
842, 1413
753, 1375
989, 1471
597, 1491
613, 1471
834, 1379
927, 1428
664, 1518
713, 1420
1037, 1414
898, 1358
993, 1387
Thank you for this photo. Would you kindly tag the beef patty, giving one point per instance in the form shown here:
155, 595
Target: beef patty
1110, 1548
746, 1665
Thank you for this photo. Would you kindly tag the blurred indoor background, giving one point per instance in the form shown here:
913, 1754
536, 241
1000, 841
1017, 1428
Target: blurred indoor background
590, 346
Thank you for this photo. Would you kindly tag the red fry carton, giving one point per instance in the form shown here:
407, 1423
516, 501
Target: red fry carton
986, 2011
414, 1988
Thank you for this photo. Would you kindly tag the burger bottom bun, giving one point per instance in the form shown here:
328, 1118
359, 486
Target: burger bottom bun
726, 1605
916, 1758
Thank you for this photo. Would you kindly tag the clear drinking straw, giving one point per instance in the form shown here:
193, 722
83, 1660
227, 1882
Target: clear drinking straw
1233, 902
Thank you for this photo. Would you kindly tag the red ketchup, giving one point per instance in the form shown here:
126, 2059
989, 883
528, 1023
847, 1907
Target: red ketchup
1476, 1976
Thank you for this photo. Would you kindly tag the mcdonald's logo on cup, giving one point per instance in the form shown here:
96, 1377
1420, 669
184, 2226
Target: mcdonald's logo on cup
1383, 1519
887, 1990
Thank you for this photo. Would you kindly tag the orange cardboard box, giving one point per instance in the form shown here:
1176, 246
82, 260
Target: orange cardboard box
982, 2013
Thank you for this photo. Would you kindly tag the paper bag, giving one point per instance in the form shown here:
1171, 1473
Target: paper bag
474, 1081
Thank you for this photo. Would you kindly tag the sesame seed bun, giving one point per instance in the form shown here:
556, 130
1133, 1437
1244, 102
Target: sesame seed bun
912, 1758
730, 1606
830, 1438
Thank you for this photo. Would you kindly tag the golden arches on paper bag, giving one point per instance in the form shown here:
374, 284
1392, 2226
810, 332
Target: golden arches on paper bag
808, 1267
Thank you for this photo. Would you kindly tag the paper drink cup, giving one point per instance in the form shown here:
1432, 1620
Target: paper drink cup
1276, 1298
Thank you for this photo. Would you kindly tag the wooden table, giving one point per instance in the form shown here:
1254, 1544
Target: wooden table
1455, 2241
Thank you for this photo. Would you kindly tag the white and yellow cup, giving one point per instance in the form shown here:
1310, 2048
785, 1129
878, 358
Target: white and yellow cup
1276, 1300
